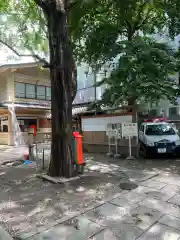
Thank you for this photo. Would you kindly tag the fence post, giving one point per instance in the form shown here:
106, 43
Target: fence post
43, 157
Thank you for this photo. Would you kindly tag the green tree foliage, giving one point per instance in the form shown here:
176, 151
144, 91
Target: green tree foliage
114, 29
111, 21
4, 6
172, 8
24, 29
29, 25
144, 73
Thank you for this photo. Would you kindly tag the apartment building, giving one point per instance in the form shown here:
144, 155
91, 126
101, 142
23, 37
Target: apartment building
27, 87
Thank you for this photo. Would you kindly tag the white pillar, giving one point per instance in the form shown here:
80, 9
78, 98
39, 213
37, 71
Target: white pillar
10, 130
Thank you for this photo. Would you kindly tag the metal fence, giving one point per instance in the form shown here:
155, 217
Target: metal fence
40, 152
40, 149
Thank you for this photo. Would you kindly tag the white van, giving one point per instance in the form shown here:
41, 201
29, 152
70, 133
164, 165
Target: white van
157, 136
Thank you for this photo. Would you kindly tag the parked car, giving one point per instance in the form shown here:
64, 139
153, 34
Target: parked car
157, 137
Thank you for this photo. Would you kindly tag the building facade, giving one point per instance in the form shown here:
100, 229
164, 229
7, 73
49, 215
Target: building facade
26, 89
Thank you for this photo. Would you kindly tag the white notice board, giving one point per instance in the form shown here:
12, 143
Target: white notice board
129, 130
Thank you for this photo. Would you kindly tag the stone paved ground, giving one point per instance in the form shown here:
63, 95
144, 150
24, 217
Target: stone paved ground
93, 207
8, 153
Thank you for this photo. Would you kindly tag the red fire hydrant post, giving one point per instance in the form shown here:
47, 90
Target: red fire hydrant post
34, 128
79, 160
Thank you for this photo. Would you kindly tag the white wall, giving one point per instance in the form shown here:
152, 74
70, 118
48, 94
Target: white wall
99, 124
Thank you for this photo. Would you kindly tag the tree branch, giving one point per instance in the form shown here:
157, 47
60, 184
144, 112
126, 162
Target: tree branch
130, 30
143, 21
72, 4
42, 60
42, 5
139, 20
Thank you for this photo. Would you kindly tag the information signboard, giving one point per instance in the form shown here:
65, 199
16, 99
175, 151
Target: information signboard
109, 130
129, 130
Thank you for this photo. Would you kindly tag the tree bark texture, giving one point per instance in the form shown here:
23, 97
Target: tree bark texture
74, 78
61, 72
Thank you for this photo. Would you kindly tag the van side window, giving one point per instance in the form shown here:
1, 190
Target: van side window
141, 128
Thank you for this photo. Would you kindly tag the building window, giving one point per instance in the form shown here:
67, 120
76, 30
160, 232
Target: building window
20, 90
41, 92
48, 93
173, 111
30, 91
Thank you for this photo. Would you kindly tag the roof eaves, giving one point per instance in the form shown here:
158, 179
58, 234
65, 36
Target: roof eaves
21, 65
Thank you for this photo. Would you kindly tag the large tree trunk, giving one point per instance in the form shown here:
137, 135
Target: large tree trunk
132, 103
74, 78
61, 84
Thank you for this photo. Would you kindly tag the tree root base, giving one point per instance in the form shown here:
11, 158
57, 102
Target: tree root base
57, 179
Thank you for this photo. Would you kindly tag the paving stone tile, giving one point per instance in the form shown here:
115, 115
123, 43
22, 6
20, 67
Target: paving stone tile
170, 221
160, 232
175, 199
136, 174
163, 207
142, 190
170, 190
134, 197
142, 217
107, 213
125, 231
169, 179
157, 194
153, 184
4, 235
124, 203
162, 179
106, 234
153, 193
79, 228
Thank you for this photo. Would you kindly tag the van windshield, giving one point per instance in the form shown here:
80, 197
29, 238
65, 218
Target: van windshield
159, 129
